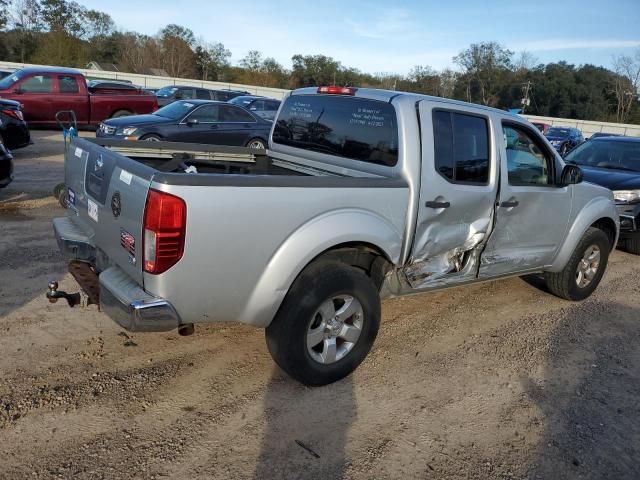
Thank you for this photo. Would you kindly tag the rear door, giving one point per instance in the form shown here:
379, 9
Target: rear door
237, 126
533, 213
108, 193
457, 195
69, 95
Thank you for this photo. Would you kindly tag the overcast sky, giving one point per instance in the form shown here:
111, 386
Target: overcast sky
394, 36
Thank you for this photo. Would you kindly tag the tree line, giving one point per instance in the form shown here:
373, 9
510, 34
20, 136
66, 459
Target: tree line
65, 33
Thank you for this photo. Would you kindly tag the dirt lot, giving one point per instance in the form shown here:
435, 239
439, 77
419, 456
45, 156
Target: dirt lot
499, 380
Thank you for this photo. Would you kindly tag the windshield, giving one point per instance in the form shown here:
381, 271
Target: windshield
607, 154
6, 82
558, 132
166, 92
175, 110
243, 101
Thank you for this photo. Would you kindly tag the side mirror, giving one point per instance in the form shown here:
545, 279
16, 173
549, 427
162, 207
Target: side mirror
571, 175
192, 121
18, 91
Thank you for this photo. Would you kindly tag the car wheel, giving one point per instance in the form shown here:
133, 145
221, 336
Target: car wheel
585, 268
632, 245
326, 324
121, 113
151, 138
256, 143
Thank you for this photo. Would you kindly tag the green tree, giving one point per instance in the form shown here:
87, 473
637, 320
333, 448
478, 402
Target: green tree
486, 67
311, 70
212, 59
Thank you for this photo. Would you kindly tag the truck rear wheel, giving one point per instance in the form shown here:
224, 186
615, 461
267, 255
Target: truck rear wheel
585, 268
121, 113
326, 324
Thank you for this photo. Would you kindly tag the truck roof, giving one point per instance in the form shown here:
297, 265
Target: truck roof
70, 71
388, 95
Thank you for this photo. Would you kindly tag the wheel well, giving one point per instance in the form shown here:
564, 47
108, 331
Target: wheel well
608, 226
365, 256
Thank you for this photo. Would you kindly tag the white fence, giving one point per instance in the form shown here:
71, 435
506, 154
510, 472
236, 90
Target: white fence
588, 128
150, 81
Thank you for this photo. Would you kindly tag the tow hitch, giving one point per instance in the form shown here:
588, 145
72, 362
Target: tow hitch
87, 278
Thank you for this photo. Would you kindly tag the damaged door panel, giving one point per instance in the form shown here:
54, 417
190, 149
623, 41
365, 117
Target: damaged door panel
457, 197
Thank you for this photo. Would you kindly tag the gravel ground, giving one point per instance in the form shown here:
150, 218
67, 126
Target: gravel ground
499, 380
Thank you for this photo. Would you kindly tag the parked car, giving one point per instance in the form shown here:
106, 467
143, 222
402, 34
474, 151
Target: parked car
194, 121
44, 91
170, 94
614, 162
6, 166
261, 106
364, 194
13, 129
564, 139
543, 127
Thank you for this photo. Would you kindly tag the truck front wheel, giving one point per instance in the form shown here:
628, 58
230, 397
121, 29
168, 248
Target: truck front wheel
326, 324
585, 268
121, 113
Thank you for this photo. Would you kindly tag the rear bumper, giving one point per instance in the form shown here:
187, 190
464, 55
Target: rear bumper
121, 298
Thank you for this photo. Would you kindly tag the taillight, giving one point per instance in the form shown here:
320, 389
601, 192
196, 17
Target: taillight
13, 113
165, 220
333, 90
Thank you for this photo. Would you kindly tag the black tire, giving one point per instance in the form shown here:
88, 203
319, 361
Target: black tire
564, 149
631, 245
318, 284
564, 284
254, 142
151, 138
121, 113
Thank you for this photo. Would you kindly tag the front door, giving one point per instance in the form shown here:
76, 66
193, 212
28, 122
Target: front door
533, 213
201, 126
457, 196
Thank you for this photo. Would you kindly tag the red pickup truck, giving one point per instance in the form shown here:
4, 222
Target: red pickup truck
44, 91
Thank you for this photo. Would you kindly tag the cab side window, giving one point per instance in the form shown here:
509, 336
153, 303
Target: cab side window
68, 84
461, 147
528, 163
37, 84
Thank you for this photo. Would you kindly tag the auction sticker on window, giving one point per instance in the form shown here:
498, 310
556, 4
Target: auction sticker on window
92, 208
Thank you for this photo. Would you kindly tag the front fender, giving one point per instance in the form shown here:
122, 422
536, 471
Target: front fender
306, 243
594, 210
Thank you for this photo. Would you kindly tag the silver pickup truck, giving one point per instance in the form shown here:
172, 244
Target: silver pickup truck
362, 194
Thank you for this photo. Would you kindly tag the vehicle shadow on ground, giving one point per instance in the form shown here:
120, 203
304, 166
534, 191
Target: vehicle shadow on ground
589, 396
306, 429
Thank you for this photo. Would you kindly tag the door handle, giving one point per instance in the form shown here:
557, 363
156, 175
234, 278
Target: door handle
432, 204
510, 204
214, 126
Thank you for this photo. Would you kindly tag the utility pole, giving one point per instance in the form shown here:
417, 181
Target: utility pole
526, 88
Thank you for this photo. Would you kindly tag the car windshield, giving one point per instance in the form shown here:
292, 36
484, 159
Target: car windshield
613, 154
6, 82
242, 101
175, 110
558, 132
166, 92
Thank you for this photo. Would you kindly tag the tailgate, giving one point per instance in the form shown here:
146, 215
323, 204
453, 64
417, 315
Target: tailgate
107, 195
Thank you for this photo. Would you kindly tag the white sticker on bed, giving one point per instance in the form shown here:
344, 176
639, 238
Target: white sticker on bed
92, 209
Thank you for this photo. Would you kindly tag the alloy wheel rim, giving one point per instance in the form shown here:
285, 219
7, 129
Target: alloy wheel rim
588, 266
334, 329
256, 145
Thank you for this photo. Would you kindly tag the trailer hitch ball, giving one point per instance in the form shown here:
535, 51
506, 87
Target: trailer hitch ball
53, 289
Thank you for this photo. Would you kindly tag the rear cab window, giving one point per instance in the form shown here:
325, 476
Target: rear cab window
461, 147
350, 127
